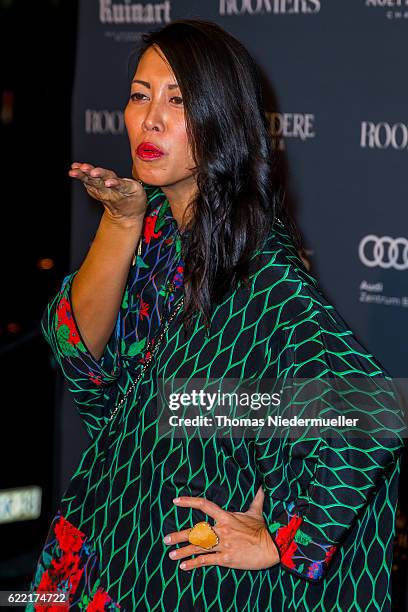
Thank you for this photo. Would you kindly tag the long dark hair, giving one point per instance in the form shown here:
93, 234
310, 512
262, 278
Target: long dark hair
239, 190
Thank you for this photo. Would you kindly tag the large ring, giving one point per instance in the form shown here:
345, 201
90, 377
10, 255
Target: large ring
202, 534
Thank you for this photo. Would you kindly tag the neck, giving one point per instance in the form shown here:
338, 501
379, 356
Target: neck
179, 195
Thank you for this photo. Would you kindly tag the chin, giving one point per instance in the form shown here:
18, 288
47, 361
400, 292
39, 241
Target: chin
150, 180
150, 176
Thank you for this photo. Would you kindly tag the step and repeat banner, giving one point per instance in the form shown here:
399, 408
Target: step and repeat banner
336, 95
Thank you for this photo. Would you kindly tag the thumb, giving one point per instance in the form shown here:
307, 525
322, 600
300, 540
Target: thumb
129, 187
258, 502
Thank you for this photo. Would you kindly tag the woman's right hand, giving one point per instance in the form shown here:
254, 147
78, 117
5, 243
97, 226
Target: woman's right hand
124, 199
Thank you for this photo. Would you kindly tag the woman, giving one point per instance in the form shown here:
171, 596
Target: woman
194, 273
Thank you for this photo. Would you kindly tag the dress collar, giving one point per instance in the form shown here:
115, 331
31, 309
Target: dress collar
164, 216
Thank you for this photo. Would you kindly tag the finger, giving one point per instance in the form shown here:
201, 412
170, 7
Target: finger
208, 559
258, 501
85, 167
203, 504
80, 173
76, 173
111, 182
187, 551
177, 536
93, 191
102, 173
128, 187
92, 181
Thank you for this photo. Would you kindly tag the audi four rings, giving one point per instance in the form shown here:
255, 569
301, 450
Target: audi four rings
384, 251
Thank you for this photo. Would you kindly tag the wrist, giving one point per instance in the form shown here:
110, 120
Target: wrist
122, 223
272, 548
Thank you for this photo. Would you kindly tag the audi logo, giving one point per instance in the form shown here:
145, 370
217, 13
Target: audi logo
384, 252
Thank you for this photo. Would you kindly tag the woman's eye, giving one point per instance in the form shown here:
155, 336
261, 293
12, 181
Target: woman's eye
139, 96
136, 96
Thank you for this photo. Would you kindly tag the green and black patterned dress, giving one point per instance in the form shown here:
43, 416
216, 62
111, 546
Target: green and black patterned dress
329, 503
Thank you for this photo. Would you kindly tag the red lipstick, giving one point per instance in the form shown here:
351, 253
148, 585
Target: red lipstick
147, 150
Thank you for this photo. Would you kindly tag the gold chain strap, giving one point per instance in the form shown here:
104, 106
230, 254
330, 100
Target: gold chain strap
148, 361
139, 251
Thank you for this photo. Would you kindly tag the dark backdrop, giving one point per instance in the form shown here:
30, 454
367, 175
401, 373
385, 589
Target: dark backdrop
336, 95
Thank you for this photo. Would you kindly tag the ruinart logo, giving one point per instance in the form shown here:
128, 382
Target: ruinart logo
383, 252
291, 125
127, 12
277, 7
104, 122
384, 135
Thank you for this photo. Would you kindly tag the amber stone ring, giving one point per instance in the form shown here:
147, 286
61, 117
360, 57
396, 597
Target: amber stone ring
202, 534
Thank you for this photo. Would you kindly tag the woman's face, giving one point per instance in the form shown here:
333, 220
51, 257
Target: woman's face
155, 114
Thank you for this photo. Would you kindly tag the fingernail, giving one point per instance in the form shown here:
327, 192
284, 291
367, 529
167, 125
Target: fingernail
176, 500
167, 539
183, 566
172, 554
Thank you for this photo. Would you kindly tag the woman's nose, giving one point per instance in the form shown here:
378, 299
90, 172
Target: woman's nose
154, 119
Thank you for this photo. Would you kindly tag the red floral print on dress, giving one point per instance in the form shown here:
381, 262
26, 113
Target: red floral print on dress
99, 601
61, 607
49, 584
144, 309
329, 554
67, 564
95, 378
147, 356
65, 317
67, 568
286, 534
73, 551
148, 232
287, 557
69, 538
46, 583
178, 276
315, 570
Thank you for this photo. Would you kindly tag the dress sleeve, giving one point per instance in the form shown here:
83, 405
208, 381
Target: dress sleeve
89, 379
339, 474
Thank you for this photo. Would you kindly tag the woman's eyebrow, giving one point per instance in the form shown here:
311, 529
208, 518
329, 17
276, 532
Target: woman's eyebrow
147, 84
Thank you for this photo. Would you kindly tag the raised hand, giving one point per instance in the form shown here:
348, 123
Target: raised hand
123, 199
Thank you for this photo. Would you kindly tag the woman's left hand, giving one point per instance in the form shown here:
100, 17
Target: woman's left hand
244, 540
